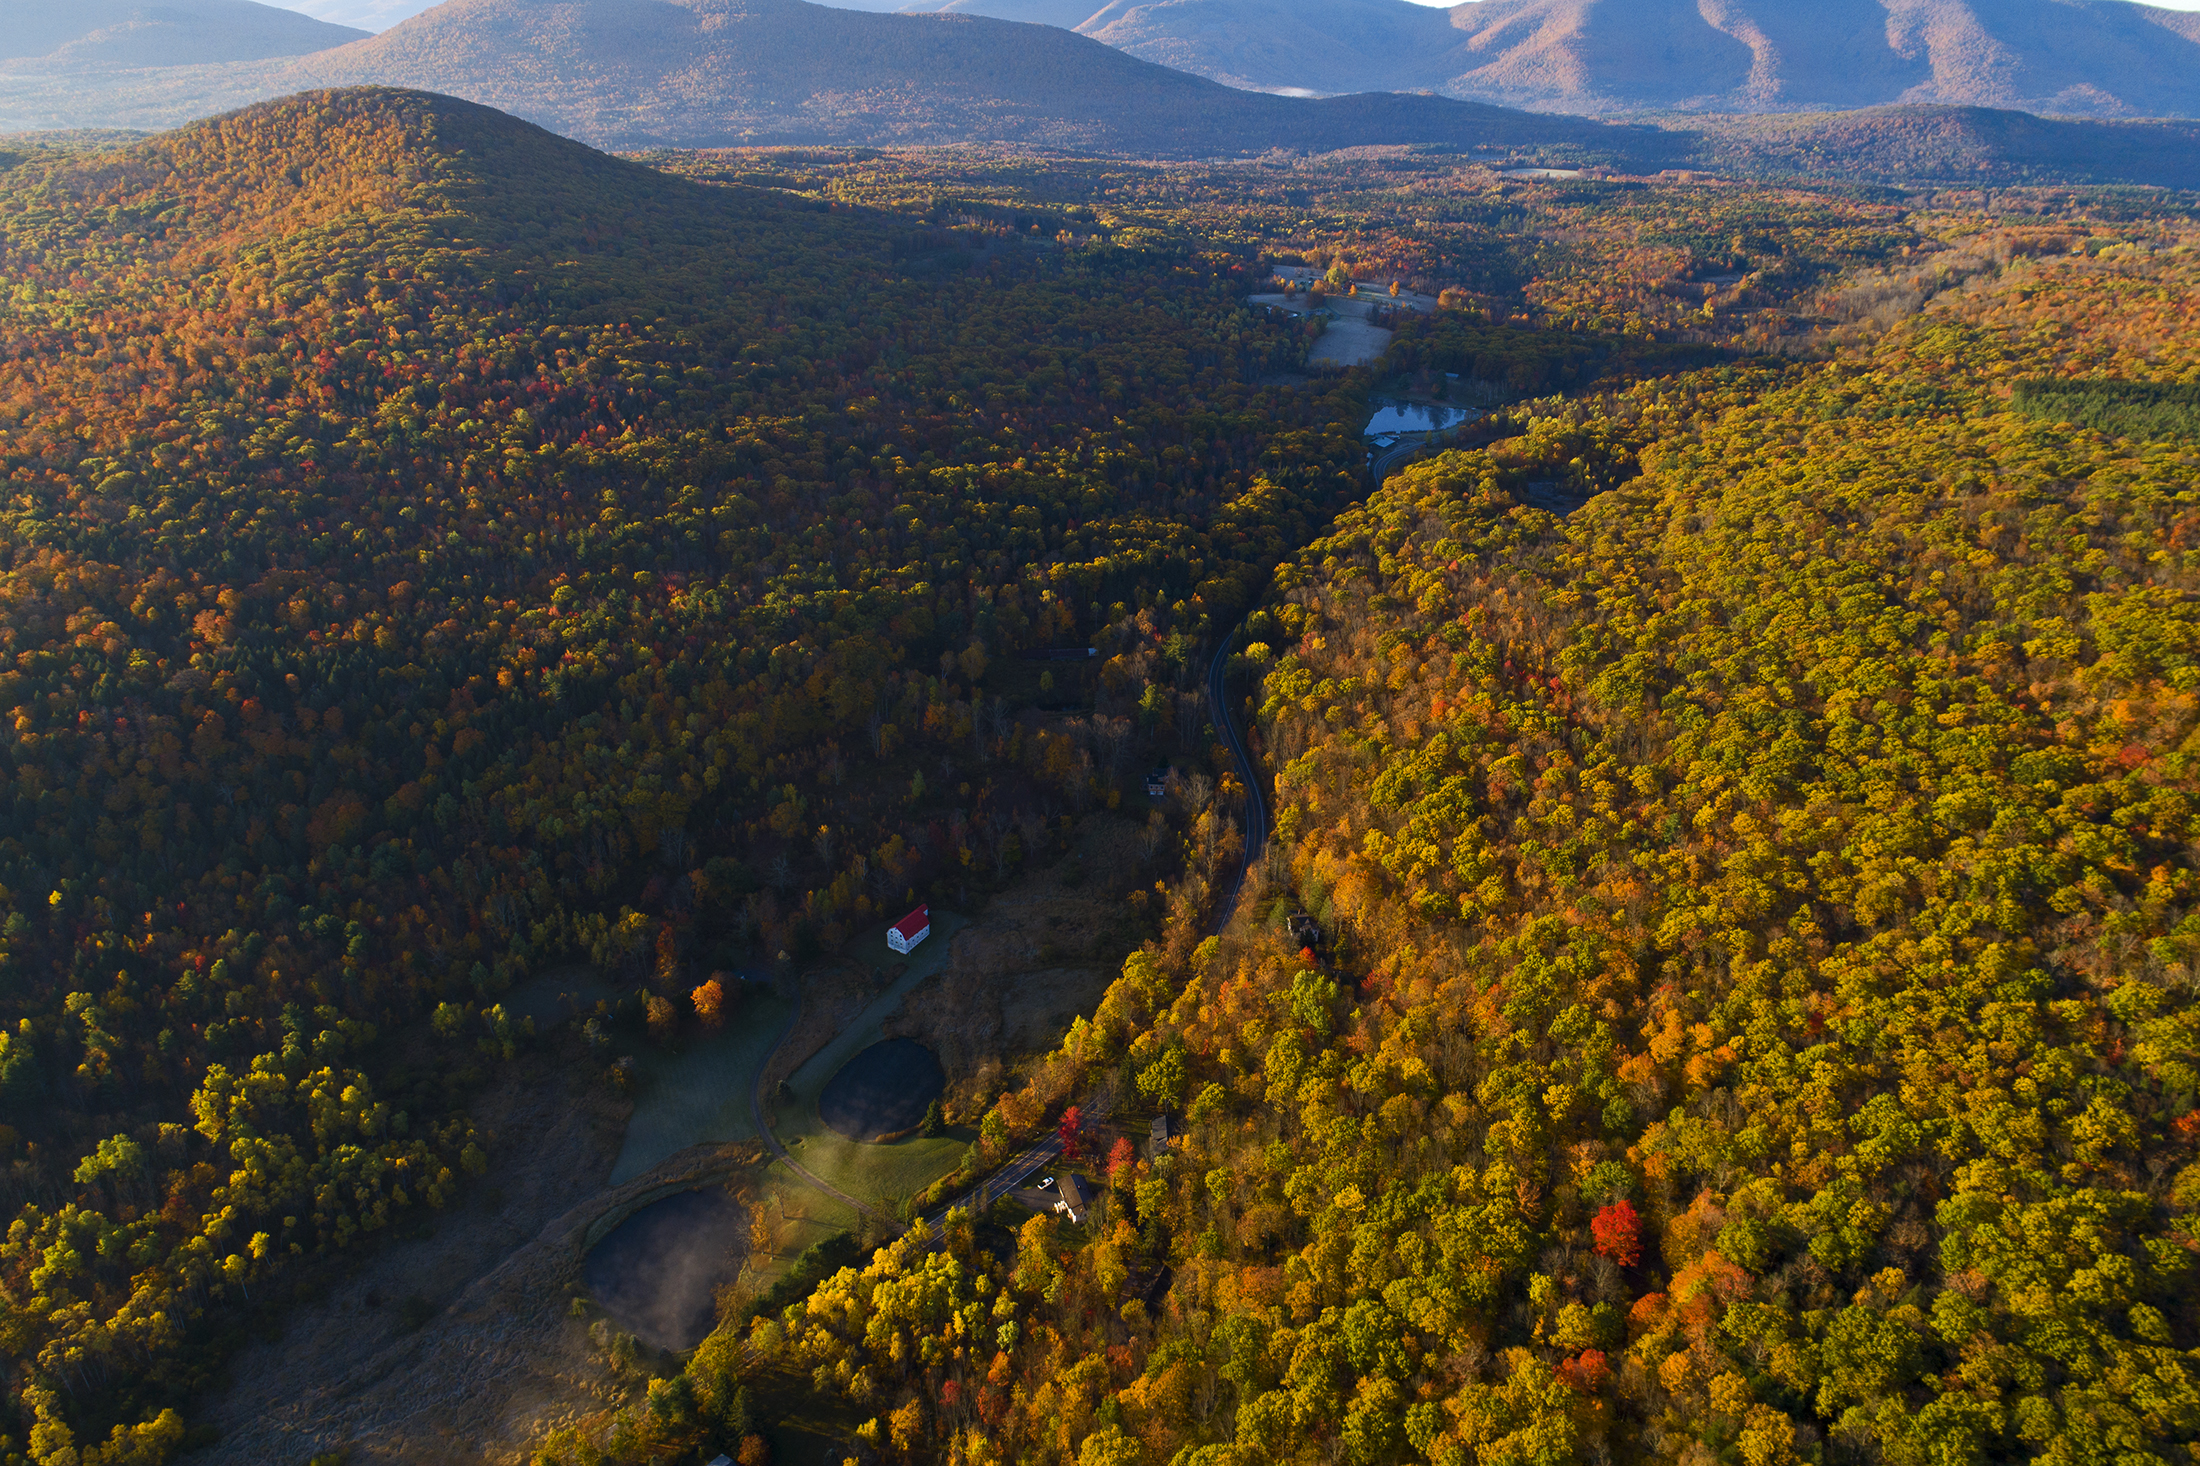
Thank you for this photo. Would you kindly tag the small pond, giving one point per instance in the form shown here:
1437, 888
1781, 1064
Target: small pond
657, 1272
1392, 418
883, 1090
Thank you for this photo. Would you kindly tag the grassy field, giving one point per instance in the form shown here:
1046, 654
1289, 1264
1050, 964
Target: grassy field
701, 1092
880, 1174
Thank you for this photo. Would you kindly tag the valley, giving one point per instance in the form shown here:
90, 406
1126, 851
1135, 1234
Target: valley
1533, 779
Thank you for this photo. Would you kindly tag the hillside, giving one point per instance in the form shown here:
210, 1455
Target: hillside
425, 535
2083, 57
2089, 57
367, 15
1743, 1007
114, 35
1927, 144
1261, 45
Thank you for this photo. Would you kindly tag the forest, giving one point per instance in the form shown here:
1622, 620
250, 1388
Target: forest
434, 549
1750, 1017
1745, 1011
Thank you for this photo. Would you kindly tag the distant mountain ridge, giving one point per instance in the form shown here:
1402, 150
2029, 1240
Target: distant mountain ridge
2105, 58
629, 74
116, 35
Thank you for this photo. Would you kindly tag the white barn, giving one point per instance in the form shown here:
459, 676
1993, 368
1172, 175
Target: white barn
904, 934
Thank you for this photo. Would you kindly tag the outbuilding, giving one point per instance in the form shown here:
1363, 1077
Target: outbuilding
904, 934
1072, 1204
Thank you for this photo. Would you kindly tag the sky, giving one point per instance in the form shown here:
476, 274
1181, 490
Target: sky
380, 15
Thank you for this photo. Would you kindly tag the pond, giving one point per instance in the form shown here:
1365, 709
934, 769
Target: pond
883, 1090
658, 1272
1392, 418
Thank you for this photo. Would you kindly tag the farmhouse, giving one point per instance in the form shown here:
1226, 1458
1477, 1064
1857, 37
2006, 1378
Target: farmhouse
904, 934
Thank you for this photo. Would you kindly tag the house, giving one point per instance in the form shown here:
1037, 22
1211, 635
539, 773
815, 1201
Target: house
904, 934
1157, 782
1072, 1203
1163, 1129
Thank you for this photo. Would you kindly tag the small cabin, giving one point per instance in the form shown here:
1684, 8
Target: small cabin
1163, 1129
1072, 1204
904, 934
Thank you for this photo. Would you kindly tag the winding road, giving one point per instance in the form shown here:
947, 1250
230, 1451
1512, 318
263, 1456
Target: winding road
1256, 808
771, 1141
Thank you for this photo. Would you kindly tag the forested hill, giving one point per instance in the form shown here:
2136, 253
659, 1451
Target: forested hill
433, 548
1752, 1011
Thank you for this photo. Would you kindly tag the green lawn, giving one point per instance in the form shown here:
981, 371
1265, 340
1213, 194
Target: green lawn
879, 1174
700, 1093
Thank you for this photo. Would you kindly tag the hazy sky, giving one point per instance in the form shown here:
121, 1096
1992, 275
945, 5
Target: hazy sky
377, 15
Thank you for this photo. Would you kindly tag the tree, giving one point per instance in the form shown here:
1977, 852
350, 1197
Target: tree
710, 1002
1618, 1233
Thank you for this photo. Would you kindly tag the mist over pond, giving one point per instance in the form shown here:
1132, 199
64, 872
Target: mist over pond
658, 1272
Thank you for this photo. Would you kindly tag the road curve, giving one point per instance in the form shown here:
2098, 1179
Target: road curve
771, 1141
1390, 460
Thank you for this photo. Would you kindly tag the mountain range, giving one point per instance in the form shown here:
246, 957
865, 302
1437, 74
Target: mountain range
629, 74
2106, 58
635, 74
115, 35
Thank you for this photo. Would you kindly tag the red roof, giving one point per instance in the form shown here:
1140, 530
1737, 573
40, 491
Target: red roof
916, 921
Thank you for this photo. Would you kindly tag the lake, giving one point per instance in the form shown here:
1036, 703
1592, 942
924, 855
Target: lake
1393, 418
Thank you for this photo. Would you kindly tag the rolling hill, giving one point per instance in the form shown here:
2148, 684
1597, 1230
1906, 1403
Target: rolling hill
2080, 57
1962, 145
113, 35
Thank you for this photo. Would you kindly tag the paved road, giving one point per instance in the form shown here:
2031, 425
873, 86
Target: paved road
1256, 808
1019, 1168
1395, 457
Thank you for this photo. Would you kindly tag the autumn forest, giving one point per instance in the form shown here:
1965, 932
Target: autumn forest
1717, 984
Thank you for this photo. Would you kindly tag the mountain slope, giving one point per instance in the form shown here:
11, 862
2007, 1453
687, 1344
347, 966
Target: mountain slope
1345, 46
301, 385
641, 73
2087, 57
2095, 57
1070, 15
109, 35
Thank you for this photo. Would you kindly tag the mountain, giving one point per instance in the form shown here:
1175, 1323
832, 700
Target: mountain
1262, 45
687, 73
115, 35
368, 15
2083, 57
2090, 57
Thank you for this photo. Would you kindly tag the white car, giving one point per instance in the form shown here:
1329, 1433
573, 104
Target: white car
1049, 1181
